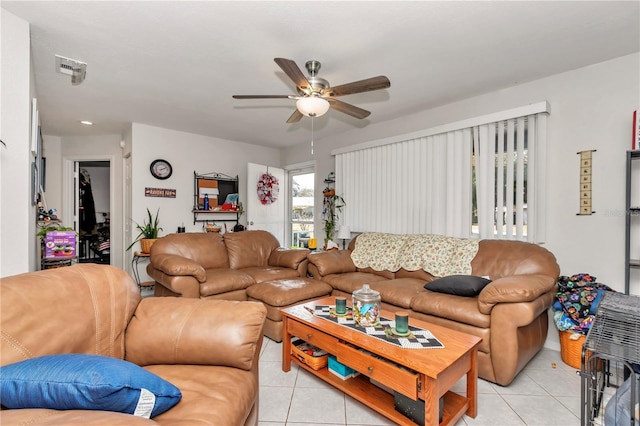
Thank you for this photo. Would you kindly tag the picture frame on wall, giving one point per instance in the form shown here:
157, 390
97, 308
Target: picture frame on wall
34, 127
35, 183
38, 145
43, 174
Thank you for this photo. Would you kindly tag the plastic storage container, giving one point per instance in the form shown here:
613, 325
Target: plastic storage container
366, 306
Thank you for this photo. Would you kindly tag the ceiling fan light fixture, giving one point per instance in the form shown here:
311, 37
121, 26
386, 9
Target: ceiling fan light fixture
313, 106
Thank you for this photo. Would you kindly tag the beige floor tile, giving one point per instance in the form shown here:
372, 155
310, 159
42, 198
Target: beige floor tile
274, 403
543, 410
315, 405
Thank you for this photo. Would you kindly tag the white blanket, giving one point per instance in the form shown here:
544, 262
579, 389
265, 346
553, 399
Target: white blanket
439, 255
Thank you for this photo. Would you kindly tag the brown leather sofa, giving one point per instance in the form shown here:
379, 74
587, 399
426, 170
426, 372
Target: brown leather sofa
221, 266
209, 349
509, 314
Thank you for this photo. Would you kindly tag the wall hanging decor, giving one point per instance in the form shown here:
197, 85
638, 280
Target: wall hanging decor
268, 188
585, 182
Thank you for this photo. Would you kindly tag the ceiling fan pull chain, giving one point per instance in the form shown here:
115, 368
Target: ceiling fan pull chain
311, 135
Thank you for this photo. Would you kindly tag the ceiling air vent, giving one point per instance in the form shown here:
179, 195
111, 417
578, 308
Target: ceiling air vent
76, 69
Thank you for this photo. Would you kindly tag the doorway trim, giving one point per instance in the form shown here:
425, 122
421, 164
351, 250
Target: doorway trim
289, 171
67, 191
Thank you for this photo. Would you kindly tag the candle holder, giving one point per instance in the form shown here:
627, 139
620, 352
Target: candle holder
402, 323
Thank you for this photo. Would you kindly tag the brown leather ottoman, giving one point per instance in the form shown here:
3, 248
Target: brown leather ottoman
278, 294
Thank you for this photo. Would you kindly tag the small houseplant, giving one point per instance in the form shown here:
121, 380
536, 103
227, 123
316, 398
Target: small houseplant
148, 232
333, 206
52, 228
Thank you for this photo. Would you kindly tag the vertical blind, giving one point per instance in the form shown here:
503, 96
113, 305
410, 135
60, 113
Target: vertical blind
421, 185
424, 184
510, 177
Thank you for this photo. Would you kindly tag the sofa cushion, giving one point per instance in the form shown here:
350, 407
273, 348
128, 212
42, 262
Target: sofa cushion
206, 249
249, 248
285, 292
212, 394
332, 262
224, 281
398, 292
195, 332
351, 281
266, 273
453, 308
81, 381
78, 309
459, 285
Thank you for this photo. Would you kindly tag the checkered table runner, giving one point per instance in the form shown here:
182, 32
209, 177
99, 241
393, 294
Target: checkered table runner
418, 338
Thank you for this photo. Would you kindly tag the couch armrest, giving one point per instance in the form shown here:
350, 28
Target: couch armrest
172, 264
288, 258
517, 288
331, 262
167, 330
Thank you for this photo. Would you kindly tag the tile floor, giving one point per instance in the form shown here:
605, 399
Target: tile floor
540, 395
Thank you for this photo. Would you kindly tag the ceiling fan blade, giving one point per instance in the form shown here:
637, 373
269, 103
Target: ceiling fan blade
367, 85
349, 109
261, 96
295, 117
293, 71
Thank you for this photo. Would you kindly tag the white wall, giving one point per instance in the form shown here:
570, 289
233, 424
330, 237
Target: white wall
17, 215
187, 152
591, 108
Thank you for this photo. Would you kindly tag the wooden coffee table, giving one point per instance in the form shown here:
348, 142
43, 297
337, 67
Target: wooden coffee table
425, 374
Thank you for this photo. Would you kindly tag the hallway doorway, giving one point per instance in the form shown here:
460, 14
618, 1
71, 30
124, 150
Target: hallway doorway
92, 194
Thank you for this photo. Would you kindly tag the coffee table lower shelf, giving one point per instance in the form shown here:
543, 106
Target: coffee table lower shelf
361, 389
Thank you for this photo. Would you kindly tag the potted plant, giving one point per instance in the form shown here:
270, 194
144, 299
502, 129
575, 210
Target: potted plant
148, 232
42, 233
333, 205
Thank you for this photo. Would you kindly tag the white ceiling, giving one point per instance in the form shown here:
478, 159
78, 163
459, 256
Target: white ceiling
175, 64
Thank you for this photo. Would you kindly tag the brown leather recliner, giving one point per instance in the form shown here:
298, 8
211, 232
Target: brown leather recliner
221, 266
209, 349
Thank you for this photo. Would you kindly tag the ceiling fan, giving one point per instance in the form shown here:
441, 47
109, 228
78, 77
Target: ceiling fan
315, 94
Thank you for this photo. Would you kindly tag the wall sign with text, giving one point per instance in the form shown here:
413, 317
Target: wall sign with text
160, 192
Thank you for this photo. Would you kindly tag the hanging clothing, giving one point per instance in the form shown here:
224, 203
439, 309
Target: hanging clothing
88, 207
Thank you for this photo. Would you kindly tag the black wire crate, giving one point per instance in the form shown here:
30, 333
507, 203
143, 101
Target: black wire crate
610, 385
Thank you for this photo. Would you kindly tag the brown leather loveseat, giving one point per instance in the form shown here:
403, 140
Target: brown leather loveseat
221, 266
509, 314
208, 349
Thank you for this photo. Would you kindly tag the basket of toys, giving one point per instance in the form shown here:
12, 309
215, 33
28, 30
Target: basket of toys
575, 304
315, 358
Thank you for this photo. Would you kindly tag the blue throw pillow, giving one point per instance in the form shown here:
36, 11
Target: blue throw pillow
459, 285
86, 382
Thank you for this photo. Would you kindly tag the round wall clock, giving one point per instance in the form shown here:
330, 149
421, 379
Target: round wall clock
161, 169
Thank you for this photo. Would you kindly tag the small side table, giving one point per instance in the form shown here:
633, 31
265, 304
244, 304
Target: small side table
137, 257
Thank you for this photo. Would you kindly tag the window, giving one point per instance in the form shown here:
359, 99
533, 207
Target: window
481, 177
503, 176
510, 182
302, 207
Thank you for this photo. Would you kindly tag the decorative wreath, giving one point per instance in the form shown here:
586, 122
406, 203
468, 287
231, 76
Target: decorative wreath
268, 188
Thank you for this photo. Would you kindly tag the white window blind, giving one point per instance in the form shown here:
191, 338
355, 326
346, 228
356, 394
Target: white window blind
421, 185
510, 178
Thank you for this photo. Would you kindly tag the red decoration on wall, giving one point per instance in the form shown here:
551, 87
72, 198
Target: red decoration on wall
268, 188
